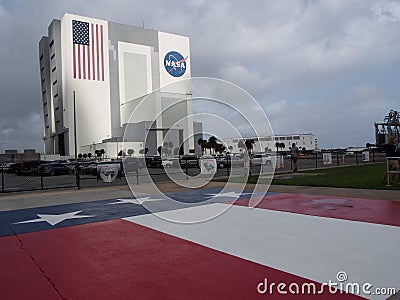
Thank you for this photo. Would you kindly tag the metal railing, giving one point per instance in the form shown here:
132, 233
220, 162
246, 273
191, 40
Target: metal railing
328, 159
81, 177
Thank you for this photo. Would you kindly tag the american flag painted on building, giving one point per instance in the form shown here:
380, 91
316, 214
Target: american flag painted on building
88, 50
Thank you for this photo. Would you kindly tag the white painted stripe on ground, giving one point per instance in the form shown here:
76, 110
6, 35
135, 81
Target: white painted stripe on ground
313, 247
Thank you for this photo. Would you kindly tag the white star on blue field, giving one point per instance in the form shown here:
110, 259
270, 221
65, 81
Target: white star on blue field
43, 218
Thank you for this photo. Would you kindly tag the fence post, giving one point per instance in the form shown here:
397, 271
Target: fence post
387, 171
227, 165
41, 177
356, 158
337, 158
187, 169
316, 160
2, 178
373, 155
77, 177
137, 176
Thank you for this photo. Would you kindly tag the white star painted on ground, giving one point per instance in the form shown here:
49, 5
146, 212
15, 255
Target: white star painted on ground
228, 195
138, 201
55, 219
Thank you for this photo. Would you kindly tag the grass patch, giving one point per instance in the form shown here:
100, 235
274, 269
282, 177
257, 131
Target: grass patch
367, 176
363, 177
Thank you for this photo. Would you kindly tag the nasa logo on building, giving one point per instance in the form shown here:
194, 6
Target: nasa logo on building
175, 63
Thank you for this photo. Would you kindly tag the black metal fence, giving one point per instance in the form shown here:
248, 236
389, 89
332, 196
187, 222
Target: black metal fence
44, 176
316, 160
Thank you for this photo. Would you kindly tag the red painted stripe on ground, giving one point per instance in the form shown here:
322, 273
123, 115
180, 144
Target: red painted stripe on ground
20, 278
364, 210
122, 260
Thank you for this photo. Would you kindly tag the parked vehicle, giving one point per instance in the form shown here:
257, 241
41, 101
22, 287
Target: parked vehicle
228, 161
189, 161
5, 167
88, 168
261, 159
15, 168
131, 164
31, 167
55, 169
153, 161
169, 162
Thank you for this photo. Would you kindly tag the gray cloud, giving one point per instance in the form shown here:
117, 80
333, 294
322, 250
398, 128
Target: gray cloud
328, 67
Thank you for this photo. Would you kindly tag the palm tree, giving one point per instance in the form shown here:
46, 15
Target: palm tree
282, 146
203, 145
102, 152
131, 151
277, 145
98, 154
219, 148
144, 151
212, 143
241, 145
89, 155
249, 144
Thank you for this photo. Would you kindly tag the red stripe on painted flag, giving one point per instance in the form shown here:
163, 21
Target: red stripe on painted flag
97, 52
384, 212
122, 260
88, 50
102, 52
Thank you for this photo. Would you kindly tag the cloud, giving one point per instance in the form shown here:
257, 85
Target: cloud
330, 67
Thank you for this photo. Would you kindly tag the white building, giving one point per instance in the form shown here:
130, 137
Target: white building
111, 68
267, 144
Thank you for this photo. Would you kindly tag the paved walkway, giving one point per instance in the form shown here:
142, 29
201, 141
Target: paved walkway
53, 197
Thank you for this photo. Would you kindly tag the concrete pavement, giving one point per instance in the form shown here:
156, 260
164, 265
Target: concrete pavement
11, 201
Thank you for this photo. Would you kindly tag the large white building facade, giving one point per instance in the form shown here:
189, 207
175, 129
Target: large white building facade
112, 68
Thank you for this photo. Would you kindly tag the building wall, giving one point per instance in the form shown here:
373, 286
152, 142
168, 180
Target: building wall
120, 37
92, 96
111, 148
308, 141
14, 156
131, 66
44, 63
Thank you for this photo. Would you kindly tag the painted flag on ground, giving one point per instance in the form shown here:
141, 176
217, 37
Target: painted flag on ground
88, 50
290, 245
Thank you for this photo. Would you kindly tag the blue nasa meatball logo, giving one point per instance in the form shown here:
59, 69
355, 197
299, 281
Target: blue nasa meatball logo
175, 63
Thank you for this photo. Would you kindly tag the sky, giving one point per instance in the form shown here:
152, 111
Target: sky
327, 67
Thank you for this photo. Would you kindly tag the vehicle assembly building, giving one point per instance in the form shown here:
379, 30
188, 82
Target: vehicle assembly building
101, 71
